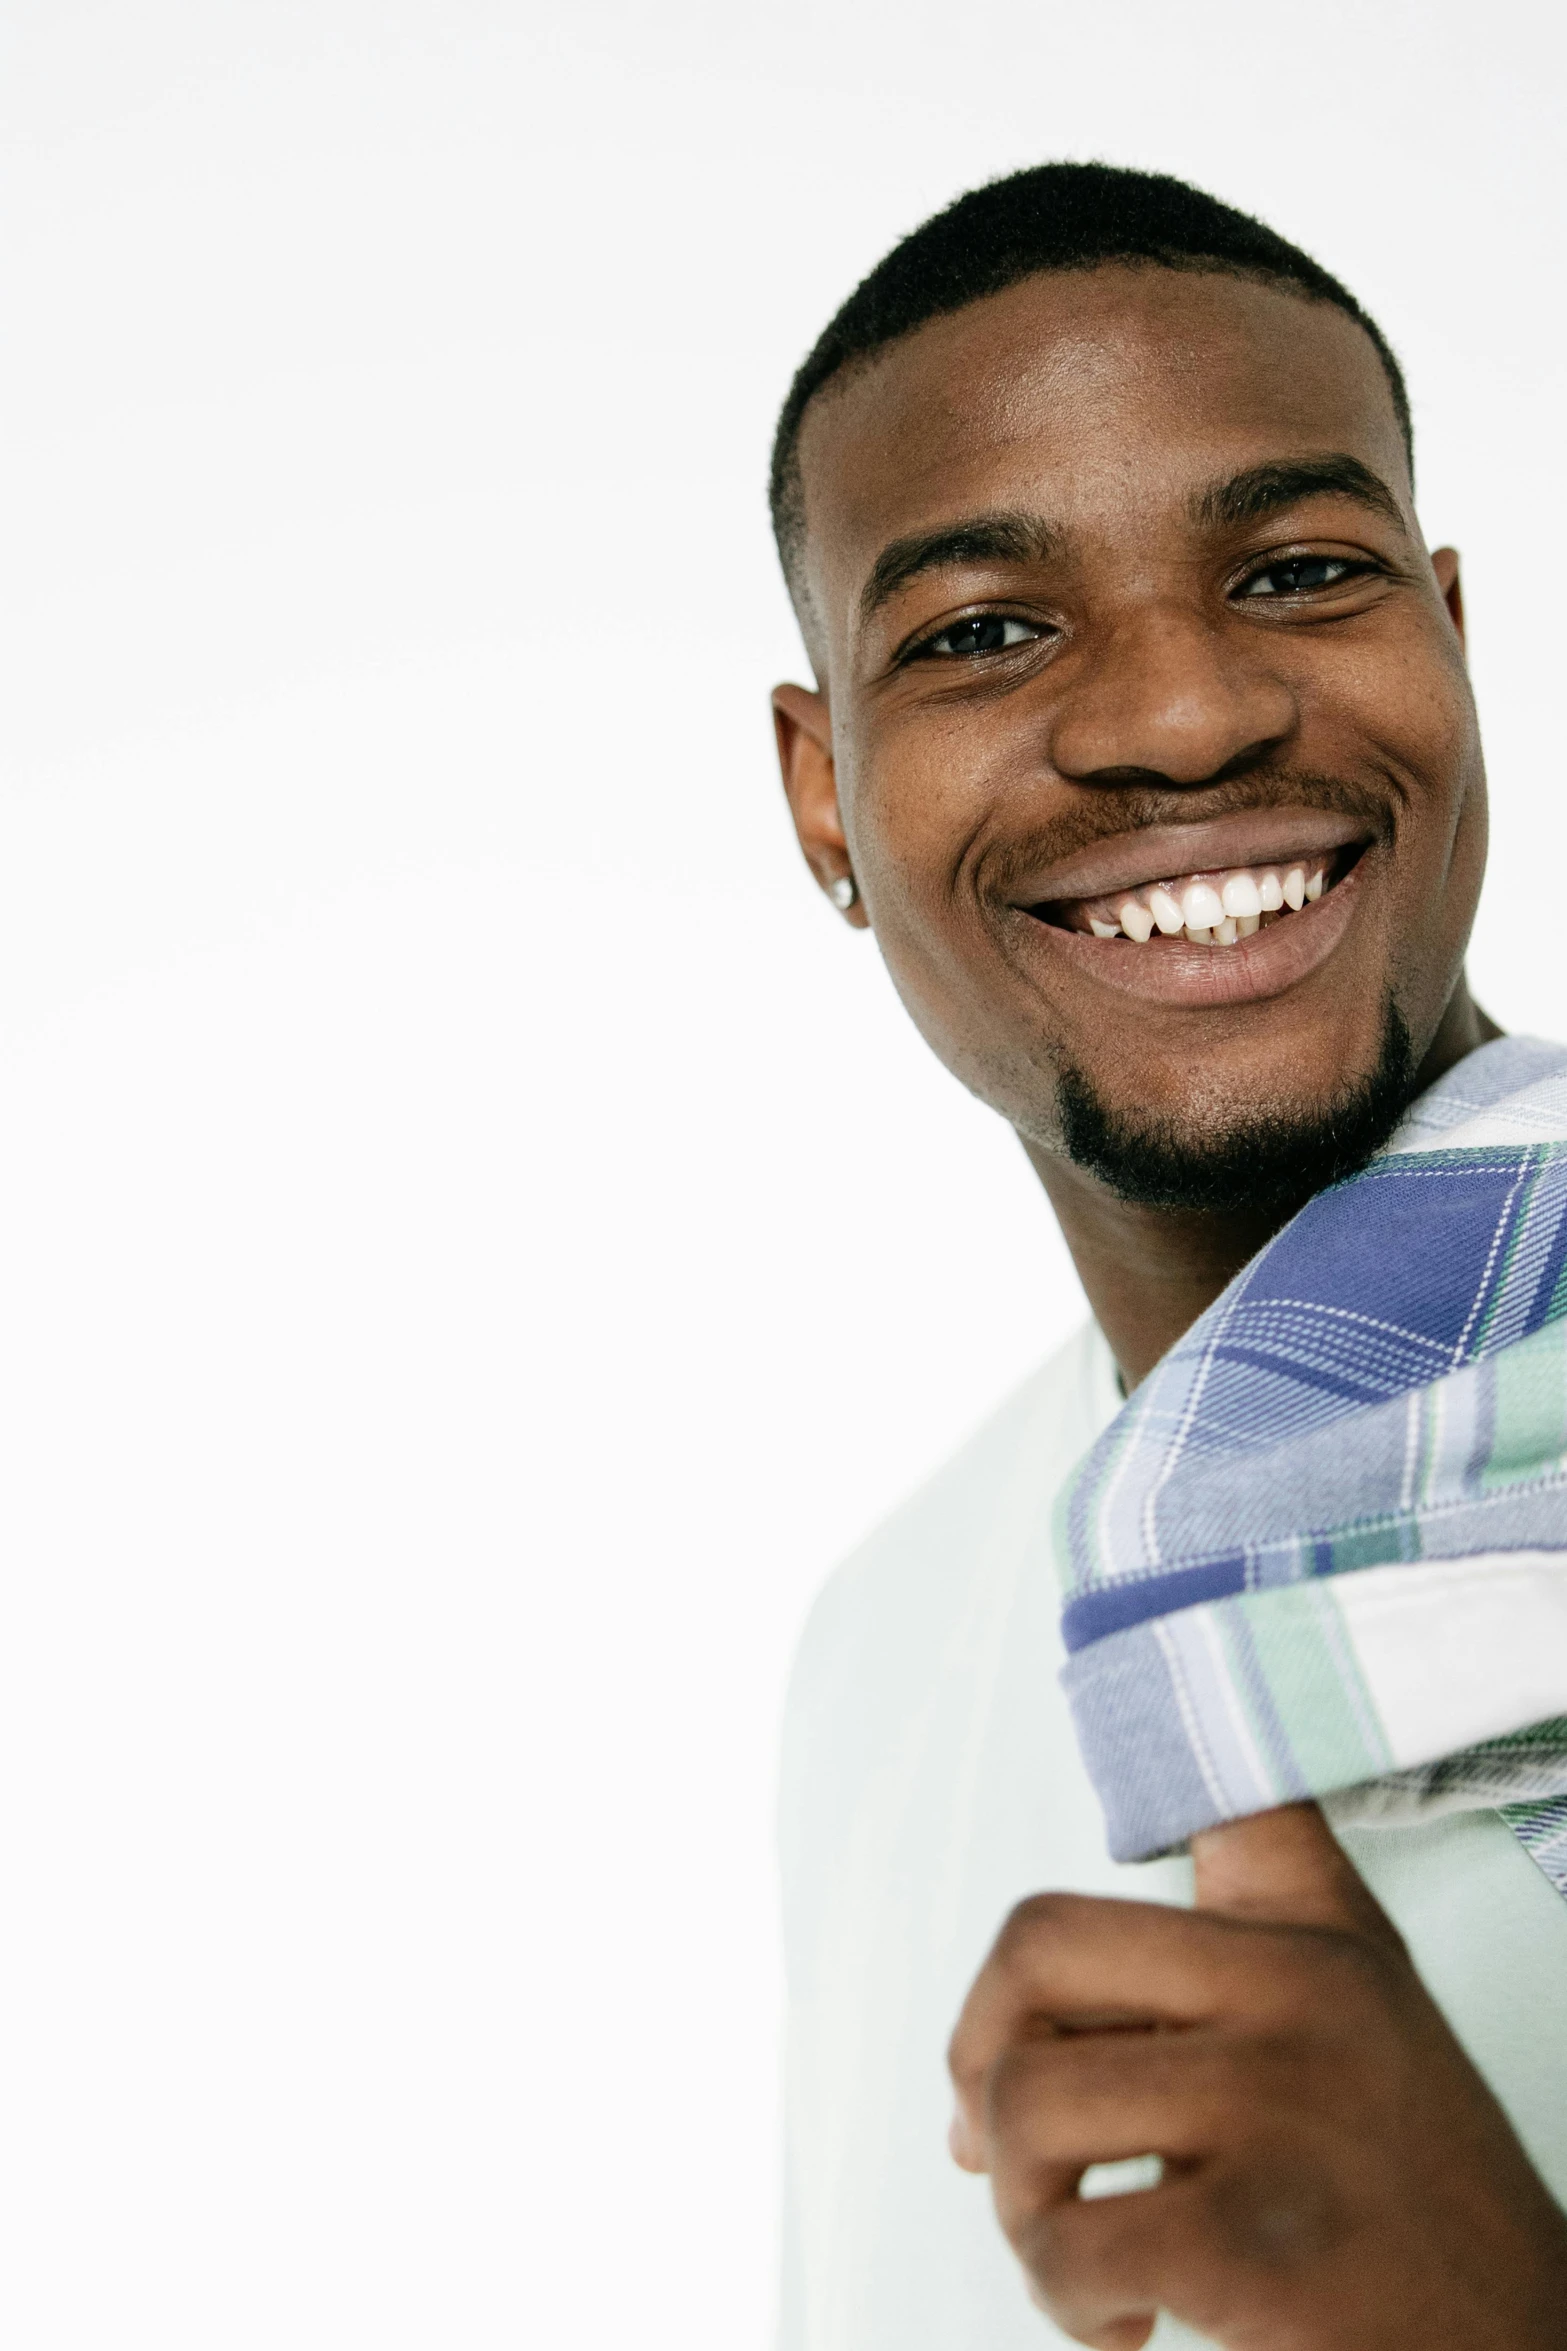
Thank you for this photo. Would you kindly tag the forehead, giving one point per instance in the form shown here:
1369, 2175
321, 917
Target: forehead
1080, 394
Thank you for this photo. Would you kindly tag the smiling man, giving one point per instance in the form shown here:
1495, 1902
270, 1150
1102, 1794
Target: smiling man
1142, 739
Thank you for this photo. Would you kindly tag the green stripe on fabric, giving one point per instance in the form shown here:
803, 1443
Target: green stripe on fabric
1079, 1498
1314, 1680
1502, 1277
1395, 1539
1530, 1433
1549, 1738
1429, 1458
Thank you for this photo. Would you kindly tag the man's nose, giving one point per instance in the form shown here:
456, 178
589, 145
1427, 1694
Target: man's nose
1168, 695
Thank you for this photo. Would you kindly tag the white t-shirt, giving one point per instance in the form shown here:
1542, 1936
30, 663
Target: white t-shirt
930, 1780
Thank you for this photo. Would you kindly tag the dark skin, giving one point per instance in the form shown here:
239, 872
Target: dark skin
1336, 2173
1098, 562
1150, 687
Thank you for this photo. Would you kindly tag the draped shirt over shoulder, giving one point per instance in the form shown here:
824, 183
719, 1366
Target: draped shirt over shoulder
931, 1779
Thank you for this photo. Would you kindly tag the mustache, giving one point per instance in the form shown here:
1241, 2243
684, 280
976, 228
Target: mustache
1134, 808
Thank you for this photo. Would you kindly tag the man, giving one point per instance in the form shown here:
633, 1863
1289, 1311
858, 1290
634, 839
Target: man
1142, 738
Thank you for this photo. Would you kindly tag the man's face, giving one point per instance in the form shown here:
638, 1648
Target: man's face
1117, 593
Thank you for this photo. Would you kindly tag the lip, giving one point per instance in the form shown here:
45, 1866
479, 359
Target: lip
1173, 972
1254, 836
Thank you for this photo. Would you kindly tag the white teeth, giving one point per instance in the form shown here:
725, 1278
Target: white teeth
1201, 906
1216, 910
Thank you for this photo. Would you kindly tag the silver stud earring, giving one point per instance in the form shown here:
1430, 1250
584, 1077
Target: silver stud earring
842, 892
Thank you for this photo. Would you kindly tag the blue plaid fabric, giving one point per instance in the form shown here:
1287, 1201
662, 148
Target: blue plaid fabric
1324, 1545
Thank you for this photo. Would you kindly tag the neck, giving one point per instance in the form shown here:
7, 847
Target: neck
1149, 1272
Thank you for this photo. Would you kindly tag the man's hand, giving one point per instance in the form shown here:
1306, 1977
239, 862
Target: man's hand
1337, 2177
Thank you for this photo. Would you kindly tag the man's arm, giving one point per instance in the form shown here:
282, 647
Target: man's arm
1337, 2176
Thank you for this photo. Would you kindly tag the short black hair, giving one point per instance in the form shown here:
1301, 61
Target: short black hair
1057, 216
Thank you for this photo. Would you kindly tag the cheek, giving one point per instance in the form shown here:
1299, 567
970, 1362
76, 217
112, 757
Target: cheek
1420, 715
908, 815
911, 820
1403, 716
1430, 745
1444, 803
926, 783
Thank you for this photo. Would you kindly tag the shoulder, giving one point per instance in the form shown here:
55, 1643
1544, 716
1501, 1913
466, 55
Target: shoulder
1028, 1443
896, 1594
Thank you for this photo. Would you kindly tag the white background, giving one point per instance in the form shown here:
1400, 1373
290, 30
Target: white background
476, 1237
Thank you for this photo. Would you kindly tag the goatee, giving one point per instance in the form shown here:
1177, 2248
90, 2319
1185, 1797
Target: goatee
1271, 1166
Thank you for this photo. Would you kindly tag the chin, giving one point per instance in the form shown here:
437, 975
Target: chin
1251, 1153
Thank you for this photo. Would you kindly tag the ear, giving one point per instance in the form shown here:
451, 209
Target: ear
1445, 564
803, 725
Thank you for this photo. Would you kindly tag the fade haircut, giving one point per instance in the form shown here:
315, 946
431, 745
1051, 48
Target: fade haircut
1057, 216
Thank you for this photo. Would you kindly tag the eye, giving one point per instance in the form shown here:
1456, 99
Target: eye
982, 632
1300, 575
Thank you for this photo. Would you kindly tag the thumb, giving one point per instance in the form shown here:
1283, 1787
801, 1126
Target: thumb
1285, 1868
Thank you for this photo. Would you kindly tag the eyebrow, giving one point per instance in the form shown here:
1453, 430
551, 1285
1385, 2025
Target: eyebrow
1251, 496
981, 538
1263, 489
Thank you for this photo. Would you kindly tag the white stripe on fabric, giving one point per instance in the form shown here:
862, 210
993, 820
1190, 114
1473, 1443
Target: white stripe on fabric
1454, 1651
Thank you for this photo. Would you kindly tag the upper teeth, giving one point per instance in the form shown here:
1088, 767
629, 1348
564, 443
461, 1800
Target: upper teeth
1208, 908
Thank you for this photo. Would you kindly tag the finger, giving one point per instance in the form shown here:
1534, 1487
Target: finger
1285, 1868
1086, 1962
1053, 2108
1100, 2269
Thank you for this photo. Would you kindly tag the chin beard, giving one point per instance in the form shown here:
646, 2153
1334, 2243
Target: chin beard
1270, 1165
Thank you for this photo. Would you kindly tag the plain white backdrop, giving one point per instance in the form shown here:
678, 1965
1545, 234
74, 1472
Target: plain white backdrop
477, 1237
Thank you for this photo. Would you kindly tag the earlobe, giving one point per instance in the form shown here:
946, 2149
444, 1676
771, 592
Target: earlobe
802, 723
1445, 564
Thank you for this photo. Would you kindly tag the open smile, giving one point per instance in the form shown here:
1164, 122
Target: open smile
1273, 891
1215, 909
